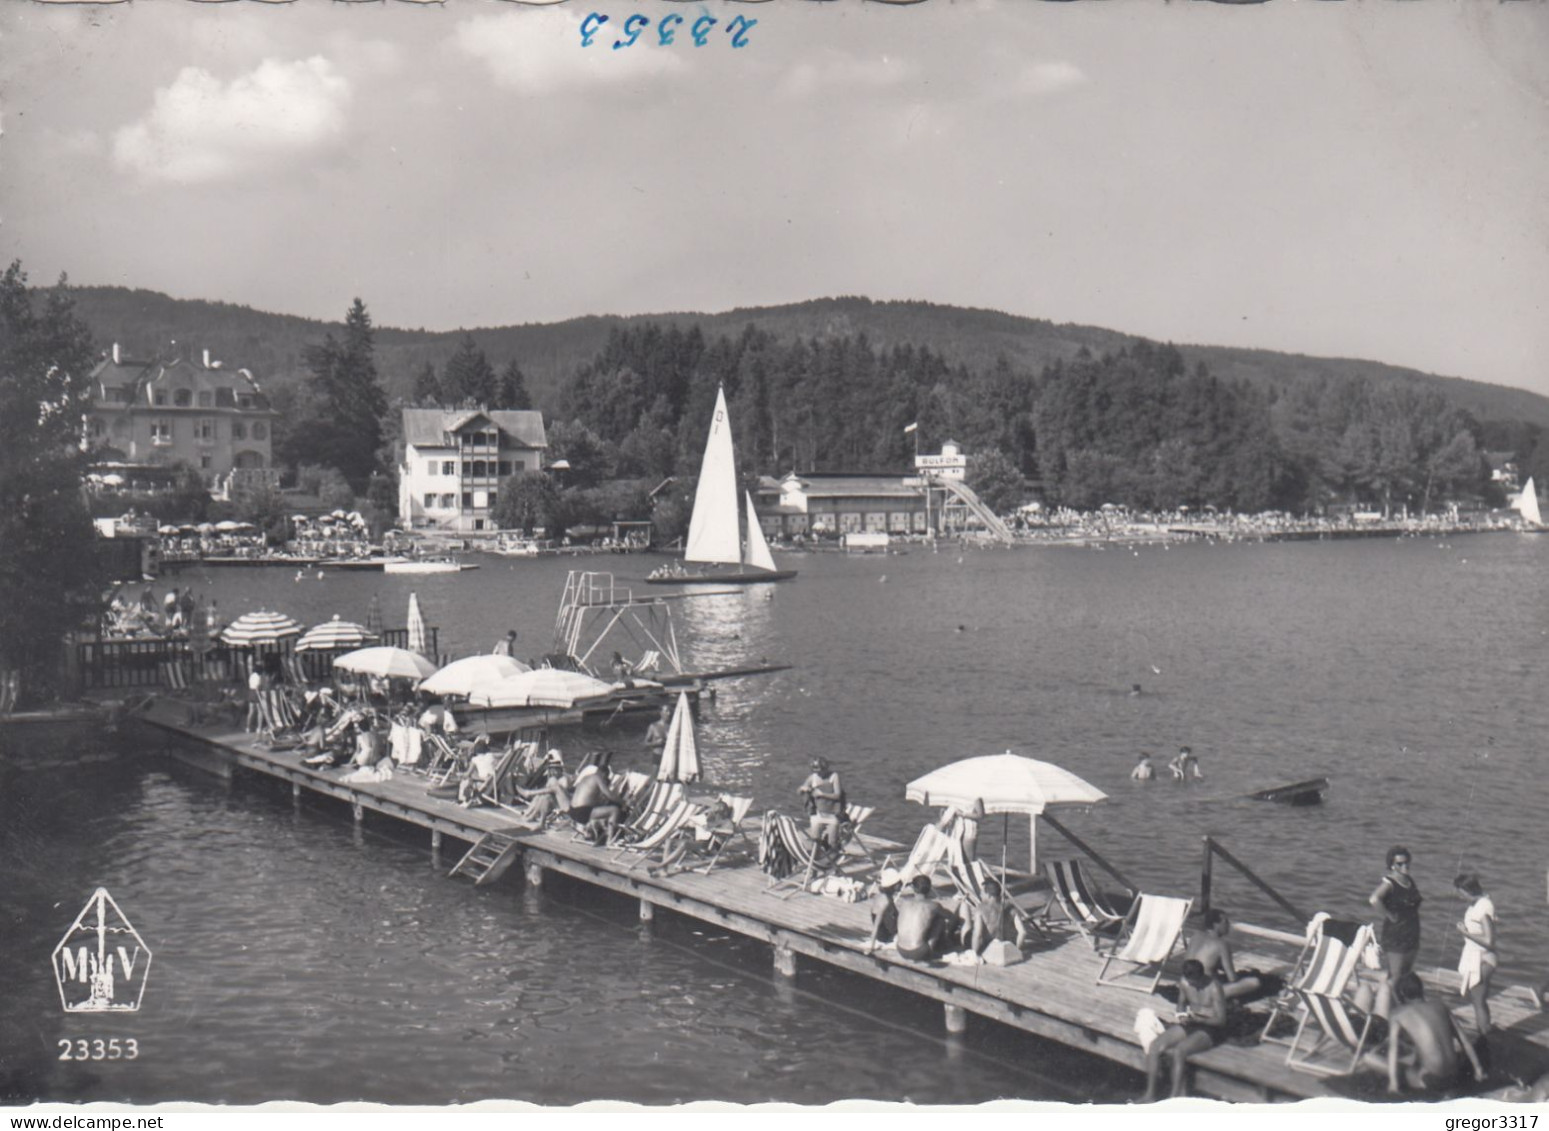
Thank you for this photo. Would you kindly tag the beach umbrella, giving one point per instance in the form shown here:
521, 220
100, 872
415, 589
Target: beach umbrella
543, 687
334, 634
418, 637
226, 525
252, 629
386, 662
461, 676
113, 479
680, 756
188, 528
338, 514
206, 528
298, 518
166, 530
1004, 783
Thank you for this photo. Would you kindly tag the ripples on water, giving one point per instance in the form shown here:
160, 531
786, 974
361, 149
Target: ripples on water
299, 956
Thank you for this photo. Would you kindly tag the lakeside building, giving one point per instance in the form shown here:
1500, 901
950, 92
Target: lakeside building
455, 463
155, 414
830, 503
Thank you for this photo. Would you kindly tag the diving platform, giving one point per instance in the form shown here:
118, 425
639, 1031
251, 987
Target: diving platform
1052, 992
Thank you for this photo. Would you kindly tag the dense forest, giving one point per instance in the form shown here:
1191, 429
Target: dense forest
1086, 416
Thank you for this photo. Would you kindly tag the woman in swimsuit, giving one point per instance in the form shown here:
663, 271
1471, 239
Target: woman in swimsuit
1478, 959
1397, 898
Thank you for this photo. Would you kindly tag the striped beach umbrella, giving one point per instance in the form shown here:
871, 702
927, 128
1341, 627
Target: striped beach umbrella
680, 755
252, 629
418, 637
333, 635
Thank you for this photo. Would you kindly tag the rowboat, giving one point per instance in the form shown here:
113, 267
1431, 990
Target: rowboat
1309, 792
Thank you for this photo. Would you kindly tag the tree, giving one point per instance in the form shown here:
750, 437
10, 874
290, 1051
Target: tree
469, 378
995, 479
348, 430
50, 583
531, 500
512, 390
427, 387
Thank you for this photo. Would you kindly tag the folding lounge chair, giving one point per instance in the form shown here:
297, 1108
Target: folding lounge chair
721, 837
1155, 930
1341, 1029
970, 877
1079, 903
649, 815
784, 850
1325, 966
850, 827
676, 817
495, 788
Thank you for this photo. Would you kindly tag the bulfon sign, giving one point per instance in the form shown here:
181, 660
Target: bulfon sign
102, 963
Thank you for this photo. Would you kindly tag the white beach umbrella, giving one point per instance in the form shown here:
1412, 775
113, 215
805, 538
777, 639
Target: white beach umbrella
1004, 783
418, 637
461, 677
680, 755
543, 687
333, 635
252, 629
386, 662
227, 525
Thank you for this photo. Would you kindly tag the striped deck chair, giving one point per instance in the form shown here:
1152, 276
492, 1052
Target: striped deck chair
176, 675
970, 876
1079, 902
649, 660
932, 849
1155, 930
850, 827
722, 836
294, 666
496, 787
1325, 966
1342, 1030
648, 816
678, 815
444, 761
787, 854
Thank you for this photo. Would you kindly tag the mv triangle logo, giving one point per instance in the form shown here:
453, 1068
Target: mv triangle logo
102, 962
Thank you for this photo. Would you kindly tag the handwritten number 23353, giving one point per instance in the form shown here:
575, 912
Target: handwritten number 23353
666, 30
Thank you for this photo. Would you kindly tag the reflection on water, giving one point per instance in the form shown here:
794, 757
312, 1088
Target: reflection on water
299, 956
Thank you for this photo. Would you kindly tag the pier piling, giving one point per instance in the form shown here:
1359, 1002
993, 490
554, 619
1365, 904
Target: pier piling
956, 1018
534, 874
647, 911
785, 961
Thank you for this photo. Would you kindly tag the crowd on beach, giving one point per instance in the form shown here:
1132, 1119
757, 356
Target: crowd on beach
178, 614
1115, 523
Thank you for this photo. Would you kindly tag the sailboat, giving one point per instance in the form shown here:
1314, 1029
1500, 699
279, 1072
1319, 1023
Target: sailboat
715, 529
1527, 504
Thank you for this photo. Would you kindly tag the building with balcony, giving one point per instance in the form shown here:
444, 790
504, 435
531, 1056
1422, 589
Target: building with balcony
455, 464
157, 414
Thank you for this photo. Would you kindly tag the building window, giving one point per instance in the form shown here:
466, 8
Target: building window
467, 500
238, 430
159, 397
492, 500
205, 399
478, 524
260, 430
431, 466
204, 431
480, 468
204, 461
225, 398
161, 432
430, 502
97, 427
448, 467
504, 467
448, 501
182, 398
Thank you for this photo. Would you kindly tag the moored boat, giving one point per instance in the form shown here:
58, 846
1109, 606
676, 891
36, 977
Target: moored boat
1309, 792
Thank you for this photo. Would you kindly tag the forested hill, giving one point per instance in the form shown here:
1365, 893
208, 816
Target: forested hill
271, 345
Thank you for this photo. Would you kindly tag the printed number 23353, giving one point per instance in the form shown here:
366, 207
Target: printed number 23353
98, 1049
667, 28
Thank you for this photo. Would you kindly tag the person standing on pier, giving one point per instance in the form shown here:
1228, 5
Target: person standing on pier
507, 647
656, 733
1478, 960
1397, 899
823, 793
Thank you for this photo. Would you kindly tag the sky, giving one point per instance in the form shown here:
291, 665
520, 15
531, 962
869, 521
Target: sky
1360, 179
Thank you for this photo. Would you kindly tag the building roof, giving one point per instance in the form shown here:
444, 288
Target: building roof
834, 485
118, 371
429, 427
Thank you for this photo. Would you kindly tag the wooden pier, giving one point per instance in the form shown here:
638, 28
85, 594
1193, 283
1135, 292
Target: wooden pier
1051, 993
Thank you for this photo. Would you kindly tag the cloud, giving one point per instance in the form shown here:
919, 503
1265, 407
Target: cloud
200, 129
1039, 79
540, 52
839, 70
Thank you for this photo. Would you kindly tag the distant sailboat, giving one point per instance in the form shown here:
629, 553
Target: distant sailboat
1527, 504
715, 529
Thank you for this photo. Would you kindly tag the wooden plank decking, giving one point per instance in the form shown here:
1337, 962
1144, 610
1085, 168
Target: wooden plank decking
1052, 993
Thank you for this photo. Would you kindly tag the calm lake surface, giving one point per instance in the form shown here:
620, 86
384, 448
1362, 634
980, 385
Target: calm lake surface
297, 956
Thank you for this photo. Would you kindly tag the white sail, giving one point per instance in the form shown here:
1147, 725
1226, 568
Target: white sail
758, 554
1527, 504
713, 533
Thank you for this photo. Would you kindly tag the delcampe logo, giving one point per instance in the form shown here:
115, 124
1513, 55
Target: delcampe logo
102, 962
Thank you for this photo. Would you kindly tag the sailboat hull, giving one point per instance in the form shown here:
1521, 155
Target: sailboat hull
730, 577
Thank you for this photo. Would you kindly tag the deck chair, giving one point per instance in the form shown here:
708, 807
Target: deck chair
1155, 930
929, 855
850, 828
721, 837
294, 666
175, 674
649, 814
494, 788
970, 876
787, 854
445, 759
649, 660
1338, 1039
1079, 902
681, 812
1326, 965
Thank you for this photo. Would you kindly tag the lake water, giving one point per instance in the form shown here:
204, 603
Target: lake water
300, 957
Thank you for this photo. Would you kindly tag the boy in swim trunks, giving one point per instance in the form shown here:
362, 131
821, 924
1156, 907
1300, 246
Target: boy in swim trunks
1200, 1024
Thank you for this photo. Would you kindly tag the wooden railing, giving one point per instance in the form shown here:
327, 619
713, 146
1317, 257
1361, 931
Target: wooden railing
1206, 876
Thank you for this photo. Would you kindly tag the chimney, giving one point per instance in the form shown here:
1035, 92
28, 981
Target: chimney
207, 359
115, 353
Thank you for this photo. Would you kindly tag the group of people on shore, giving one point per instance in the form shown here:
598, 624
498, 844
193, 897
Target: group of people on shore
176, 613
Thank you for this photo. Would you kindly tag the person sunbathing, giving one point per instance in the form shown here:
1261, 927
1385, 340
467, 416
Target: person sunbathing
596, 807
1199, 1024
1212, 950
549, 799
883, 908
699, 835
923, 925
